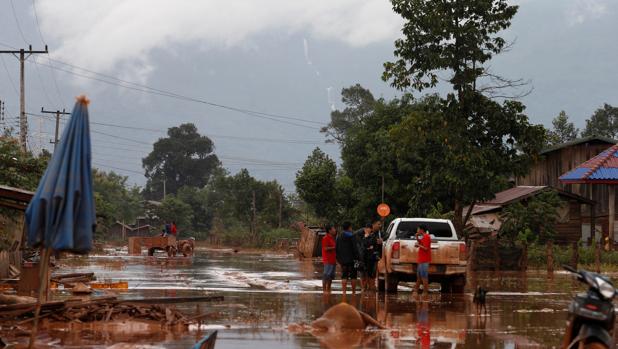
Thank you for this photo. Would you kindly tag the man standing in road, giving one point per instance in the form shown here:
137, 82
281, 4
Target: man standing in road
329, 257
423, 259
347, 256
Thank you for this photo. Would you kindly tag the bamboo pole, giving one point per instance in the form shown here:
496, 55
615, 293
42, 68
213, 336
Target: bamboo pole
43, 273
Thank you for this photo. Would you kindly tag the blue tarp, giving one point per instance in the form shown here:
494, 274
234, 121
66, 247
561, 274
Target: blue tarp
61, 214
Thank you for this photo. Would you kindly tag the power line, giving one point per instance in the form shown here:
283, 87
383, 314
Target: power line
258, 139
17, 22
8, 74
52, 71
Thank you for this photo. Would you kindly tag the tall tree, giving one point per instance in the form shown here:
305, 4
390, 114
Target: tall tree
315, 183
604, 122
184, 158
486, 141
461, 161
359, 104
563, 130
114, 199
454, 36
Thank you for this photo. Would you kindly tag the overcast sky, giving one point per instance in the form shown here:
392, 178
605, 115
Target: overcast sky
287, 59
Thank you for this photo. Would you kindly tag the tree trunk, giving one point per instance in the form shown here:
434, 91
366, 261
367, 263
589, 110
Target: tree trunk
597, 256
496, 246
575, 255
524, 257
550, 256
471, 255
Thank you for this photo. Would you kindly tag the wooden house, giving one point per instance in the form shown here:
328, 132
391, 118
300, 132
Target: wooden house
487, 215
561, 158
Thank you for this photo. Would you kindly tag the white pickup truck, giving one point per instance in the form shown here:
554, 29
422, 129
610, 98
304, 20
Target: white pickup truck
399, 255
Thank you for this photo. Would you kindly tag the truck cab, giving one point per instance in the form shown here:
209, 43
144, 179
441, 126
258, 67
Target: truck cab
448, 255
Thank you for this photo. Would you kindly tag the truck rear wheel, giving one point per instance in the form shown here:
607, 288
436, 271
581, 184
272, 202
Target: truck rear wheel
392, 281
455, 285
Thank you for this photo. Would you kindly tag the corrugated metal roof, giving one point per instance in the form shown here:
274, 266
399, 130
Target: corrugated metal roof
579, 141
601, 168
514, 194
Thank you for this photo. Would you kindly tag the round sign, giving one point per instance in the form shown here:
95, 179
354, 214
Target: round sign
384, 210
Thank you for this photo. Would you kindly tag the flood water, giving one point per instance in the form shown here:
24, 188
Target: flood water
265, 293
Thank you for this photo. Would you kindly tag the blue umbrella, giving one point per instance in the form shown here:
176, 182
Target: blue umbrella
61, 215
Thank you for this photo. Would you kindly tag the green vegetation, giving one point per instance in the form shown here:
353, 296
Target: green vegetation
537, 257
563, 130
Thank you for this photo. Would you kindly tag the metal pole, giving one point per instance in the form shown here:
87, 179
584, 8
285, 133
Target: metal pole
23, 121
58, 113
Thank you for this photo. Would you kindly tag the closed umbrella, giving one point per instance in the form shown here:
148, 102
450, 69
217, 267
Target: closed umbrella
61, 214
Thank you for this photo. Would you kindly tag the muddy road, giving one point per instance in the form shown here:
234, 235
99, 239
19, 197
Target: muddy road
264, 293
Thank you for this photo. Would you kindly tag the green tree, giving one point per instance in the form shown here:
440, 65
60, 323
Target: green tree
20, 169
466, 144
604, 122
459, 161
367, 155
315, 183
230, 202
532, 221
359, 104
562, 131
173, 209
454, 36
184, 158
114, 199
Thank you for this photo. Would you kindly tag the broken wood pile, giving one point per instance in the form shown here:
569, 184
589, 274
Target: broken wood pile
105, 309
71, 279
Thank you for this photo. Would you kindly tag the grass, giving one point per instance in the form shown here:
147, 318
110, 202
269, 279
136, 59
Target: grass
537, 258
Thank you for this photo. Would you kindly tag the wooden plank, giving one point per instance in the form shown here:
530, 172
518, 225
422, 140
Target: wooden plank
171, 300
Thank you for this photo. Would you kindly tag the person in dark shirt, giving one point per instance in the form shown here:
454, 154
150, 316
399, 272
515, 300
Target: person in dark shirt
347, 256
363, 237
372, 248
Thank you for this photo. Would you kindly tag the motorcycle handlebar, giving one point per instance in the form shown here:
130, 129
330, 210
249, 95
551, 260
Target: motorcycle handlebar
570, 268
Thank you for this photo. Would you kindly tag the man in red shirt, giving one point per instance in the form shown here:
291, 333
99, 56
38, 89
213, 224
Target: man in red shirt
329, 257
174, 231
423, 259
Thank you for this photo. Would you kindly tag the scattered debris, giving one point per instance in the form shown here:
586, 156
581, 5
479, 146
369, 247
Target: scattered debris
105, 309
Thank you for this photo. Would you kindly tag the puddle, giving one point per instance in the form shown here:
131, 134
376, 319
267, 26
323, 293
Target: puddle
265, 293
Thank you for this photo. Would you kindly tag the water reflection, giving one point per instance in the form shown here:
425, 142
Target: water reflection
266, 293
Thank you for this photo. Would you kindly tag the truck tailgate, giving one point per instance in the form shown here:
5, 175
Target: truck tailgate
442, 252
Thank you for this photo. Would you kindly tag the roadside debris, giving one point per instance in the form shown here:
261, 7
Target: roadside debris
105, 309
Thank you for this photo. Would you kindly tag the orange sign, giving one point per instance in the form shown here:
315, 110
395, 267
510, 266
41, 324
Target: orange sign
384, 210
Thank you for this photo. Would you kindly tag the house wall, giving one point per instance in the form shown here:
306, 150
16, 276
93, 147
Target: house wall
570, 231
554, 164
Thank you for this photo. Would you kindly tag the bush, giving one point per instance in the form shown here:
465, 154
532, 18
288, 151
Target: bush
537, 256
269, 238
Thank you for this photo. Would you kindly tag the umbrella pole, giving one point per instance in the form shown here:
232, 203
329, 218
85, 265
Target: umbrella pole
43, 271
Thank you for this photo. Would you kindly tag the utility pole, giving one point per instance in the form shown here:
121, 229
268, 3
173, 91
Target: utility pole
253, 219
280, 207
22, 55
2, 105
58, 113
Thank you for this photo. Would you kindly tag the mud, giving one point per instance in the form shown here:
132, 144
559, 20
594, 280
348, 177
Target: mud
264, 293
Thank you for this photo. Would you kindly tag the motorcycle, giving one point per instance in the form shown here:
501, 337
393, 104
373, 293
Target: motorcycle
591, 317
